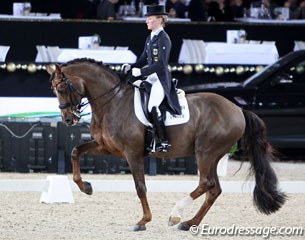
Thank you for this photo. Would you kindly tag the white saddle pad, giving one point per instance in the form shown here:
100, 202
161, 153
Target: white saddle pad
170, 119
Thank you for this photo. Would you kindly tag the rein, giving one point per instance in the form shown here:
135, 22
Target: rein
119, 84
85, 104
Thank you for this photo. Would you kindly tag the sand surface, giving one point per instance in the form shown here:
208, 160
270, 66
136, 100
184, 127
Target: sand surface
110, 215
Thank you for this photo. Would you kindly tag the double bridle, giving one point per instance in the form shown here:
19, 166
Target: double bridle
75, 104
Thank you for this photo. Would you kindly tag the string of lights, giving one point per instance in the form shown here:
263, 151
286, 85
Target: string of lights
187, 69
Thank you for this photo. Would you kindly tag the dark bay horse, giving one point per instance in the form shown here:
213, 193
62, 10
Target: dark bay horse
215, 125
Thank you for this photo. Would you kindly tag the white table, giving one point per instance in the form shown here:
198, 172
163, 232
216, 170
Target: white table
142, 19
226, 53
106, 56
40, 17
270, 21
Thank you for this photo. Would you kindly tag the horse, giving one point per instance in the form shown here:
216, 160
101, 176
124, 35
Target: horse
215, 125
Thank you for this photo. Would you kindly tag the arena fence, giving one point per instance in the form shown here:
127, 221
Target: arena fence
46, 147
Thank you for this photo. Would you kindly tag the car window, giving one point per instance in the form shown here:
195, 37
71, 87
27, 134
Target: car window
294, 74
298, 73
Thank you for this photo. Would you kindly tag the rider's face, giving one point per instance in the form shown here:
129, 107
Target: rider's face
153, 22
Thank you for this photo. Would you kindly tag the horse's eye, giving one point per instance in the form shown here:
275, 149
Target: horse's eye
60, 91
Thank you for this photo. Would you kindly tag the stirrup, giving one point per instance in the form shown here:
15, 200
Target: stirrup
158, 147
163, 147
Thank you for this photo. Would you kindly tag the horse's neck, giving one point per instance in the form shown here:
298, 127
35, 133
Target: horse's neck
108, 97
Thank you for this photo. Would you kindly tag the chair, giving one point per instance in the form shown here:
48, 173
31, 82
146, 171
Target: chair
41, 14
299, 45
42, 54
54, 52
254, 42
3, 52
188, 52
268, 42
111, 48
201, 51
121, 48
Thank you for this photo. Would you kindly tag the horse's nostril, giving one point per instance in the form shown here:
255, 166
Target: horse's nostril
69, 120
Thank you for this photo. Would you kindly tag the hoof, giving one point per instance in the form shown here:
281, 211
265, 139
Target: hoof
184, 226
139, 228
88, 188
173, 220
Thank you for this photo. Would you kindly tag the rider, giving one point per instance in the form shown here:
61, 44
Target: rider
153, 65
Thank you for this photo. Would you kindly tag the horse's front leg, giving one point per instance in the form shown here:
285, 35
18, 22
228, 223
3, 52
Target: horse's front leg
91, 147
137, 170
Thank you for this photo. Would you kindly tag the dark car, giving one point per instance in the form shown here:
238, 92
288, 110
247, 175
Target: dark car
276, 94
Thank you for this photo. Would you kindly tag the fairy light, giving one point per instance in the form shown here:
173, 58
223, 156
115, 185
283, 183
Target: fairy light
199, 68
186, 69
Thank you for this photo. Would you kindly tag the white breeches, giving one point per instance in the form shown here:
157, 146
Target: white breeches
156, 94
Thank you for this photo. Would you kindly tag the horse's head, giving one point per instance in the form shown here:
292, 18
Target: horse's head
69, 92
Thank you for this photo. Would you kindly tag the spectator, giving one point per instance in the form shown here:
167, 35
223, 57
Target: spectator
219, 11
105, 10
237, 8
292, 5
197, 10
270, 5
299, 11
176, 8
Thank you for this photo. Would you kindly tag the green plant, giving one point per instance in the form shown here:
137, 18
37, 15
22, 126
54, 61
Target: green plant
233, 149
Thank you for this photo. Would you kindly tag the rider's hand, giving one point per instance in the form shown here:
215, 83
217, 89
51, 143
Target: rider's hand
136, 72
125, 68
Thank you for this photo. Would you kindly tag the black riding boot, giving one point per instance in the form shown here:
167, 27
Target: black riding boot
162, 144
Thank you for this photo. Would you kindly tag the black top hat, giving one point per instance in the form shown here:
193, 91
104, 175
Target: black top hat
155, 10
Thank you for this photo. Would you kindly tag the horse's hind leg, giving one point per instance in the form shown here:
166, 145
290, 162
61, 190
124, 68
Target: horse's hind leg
210, 185
91, 147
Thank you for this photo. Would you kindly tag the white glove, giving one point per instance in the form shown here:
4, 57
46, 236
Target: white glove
136, 72
125, 68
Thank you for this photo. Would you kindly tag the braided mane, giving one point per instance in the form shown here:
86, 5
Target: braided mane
80, 60
90, 60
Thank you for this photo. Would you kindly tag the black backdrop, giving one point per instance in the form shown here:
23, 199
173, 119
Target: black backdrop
23, 36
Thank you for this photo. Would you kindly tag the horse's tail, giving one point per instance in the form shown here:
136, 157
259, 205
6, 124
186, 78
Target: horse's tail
266, 196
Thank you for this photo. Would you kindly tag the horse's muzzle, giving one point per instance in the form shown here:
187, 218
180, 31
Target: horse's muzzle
69, 120
72, 119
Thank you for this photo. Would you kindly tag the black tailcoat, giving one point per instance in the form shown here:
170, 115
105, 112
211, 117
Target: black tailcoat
154, 59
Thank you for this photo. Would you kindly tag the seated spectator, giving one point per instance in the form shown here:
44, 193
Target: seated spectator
237, 8
197, 10
219, 11
270, 5
98, 9
292, 5
105, 10
176, 8
299, 11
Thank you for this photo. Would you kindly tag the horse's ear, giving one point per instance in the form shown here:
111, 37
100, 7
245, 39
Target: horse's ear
51, 68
